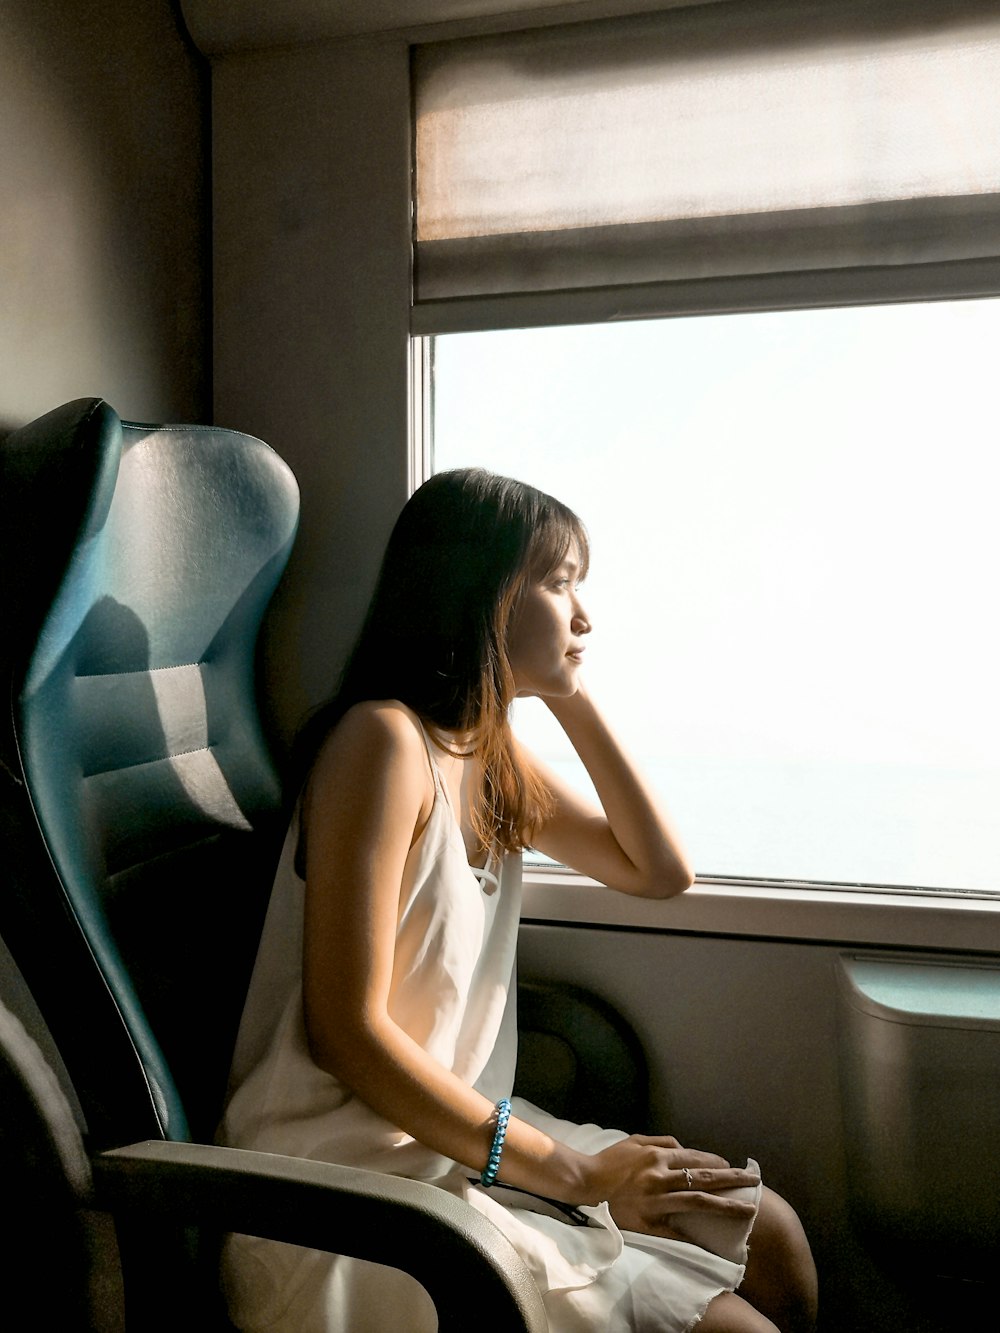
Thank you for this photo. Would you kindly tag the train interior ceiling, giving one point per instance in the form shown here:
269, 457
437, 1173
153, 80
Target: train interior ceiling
208, 218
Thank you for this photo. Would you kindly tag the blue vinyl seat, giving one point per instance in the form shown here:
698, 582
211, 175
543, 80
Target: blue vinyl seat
140, 820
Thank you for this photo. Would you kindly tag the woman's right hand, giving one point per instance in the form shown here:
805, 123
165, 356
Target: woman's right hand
647, 1180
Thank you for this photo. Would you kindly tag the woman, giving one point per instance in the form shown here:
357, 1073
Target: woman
377, 1031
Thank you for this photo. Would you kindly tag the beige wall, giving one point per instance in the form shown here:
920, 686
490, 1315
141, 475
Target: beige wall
312, 287
103, 229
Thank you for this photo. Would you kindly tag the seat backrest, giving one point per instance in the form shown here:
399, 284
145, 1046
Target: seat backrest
140, 801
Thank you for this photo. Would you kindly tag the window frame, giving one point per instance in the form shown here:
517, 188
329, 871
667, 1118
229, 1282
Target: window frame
773, 909
862, 914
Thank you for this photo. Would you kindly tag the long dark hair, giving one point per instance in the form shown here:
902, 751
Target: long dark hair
435, 636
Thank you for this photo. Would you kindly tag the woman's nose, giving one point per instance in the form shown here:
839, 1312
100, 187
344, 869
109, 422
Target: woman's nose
581, 621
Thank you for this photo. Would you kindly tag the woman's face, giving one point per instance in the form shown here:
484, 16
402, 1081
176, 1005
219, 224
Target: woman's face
545, 638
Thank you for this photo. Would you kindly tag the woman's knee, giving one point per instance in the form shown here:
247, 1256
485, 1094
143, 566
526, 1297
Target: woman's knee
781, 1275
778, 1235
728, 1313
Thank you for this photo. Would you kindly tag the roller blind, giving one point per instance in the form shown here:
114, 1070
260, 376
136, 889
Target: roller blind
717, 140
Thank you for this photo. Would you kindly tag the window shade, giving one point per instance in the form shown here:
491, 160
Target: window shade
718, 140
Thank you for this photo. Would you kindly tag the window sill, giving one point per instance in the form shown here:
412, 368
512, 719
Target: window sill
869, 917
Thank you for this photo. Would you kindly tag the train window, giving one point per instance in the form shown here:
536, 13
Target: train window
794, 567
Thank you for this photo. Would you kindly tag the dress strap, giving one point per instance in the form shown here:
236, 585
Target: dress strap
435, 771
488, 875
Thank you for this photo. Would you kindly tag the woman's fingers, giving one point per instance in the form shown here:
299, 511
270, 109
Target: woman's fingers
695, 1201
647, 1180
700, 1179
692, 1159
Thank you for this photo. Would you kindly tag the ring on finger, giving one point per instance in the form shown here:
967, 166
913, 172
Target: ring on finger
689, 1178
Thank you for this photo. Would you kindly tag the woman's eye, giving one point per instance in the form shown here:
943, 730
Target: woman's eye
565, 581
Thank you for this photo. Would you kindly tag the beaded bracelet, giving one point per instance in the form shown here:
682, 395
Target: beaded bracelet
493, 1165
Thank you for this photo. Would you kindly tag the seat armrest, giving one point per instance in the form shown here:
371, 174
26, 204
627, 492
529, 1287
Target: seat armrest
405, 1224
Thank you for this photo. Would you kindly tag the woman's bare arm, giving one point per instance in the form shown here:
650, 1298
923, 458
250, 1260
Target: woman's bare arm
368, 797
630, 844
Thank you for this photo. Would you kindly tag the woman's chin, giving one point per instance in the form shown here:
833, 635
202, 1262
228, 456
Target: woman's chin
562, 688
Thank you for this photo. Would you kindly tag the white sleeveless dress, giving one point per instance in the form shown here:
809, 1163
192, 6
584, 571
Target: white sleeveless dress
453, 991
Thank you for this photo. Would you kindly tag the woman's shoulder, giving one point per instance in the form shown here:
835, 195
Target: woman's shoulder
374, 758
376, 752
376, 727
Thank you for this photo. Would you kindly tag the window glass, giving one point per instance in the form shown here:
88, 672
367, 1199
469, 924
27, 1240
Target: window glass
794, 565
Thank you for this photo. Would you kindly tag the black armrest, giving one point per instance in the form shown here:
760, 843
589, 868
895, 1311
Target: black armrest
403, 1223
